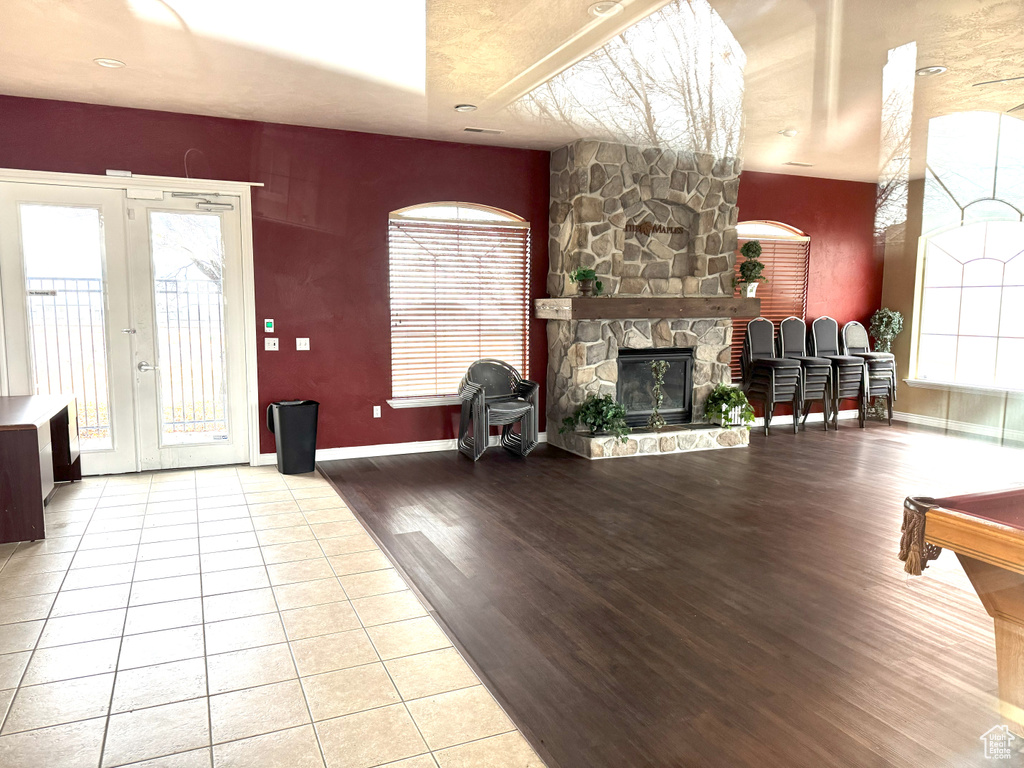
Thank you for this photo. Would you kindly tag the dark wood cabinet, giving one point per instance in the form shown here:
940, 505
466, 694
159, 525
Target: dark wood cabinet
39, 446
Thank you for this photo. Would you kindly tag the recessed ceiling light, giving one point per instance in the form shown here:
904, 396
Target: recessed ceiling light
929, 71
110, 63
605, 8
465, 107
799, 164
789, 133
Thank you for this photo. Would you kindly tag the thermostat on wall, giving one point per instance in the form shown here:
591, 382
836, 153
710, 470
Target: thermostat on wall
268, 326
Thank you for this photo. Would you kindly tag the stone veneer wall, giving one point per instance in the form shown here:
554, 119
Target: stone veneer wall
583, 358
608, 203
599, 190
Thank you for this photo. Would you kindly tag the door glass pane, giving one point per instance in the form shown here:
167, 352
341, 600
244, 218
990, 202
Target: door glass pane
188, 264
62, 247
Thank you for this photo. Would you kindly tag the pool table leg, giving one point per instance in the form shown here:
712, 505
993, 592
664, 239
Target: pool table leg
1002, 593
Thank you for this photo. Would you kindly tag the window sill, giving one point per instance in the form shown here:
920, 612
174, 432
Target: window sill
424, 402
950, 386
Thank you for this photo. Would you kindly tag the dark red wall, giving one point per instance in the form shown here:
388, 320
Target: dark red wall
845, 278
319, 234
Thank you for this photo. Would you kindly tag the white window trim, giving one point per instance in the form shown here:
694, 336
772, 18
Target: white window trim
952, 386
424, 402
243, 189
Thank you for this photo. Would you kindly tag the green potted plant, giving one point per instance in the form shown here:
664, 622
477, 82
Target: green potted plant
587, 280
601, 415
751, 268
728, 406
886, 325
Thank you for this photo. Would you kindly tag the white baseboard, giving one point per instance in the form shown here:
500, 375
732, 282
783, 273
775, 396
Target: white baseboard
962, 427
385, 449
814, 418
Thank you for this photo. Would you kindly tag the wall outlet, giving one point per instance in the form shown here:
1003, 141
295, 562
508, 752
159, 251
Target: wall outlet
268, 326
302, 344
376, 411
270, 344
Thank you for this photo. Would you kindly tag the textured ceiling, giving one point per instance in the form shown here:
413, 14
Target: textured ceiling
400, 67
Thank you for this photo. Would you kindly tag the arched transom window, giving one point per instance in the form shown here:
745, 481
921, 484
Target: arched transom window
460, 291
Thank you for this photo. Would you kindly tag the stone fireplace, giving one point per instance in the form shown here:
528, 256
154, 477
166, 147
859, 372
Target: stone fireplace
659, 228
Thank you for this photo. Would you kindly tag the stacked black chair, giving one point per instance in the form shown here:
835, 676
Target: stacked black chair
493, 393
848, 372
880, 367
815, 372
766, 378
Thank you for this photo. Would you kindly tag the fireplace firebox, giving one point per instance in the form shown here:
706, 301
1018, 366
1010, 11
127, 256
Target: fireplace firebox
635, 386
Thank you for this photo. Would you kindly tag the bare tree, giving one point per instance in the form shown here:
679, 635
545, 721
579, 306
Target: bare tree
673, 80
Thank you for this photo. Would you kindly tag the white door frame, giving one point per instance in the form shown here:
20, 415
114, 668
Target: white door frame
138, 186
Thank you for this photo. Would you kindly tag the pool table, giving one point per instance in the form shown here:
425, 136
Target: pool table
986, 531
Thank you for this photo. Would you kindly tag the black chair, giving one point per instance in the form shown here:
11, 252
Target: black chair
848, 373
767, 378
494, 394
815, 372
880, 367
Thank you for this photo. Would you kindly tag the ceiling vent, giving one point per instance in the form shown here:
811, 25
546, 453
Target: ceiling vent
483, 130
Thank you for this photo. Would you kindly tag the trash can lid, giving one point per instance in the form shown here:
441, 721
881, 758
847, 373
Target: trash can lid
296, 402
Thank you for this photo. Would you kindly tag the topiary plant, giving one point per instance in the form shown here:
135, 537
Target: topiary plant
751, 267
599, 414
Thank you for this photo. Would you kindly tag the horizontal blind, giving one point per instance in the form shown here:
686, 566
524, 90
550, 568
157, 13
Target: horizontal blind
785, 293
459, 293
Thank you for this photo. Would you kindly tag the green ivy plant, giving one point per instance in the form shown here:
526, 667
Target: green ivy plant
586, 273
599, 414
751, 267
886, 325
723, 399
658, 368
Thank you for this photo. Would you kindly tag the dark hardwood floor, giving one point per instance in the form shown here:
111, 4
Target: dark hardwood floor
724, 608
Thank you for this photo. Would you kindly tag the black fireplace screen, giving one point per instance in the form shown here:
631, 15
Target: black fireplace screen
635, 388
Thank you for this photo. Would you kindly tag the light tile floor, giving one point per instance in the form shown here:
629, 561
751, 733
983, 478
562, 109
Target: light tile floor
227, 617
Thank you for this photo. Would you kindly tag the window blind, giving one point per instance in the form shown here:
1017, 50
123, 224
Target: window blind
459, 292
785, 293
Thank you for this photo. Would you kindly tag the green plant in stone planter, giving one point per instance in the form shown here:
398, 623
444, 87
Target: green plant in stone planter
728, 406
599, 413
588, 282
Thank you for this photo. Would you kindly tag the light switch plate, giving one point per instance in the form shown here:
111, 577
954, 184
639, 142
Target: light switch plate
270, 344
268, 326
302, 344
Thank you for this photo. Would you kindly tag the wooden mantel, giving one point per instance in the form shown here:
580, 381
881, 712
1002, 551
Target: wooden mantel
642, 307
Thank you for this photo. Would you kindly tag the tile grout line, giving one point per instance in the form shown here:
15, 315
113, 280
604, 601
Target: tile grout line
120, 645
202, 617
291, 651
35, 647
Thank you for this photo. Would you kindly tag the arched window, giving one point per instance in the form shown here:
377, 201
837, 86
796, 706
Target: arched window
460, 291
970, 320
784, 252
972, 306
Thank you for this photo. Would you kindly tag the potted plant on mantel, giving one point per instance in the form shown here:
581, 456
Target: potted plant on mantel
587, 280
729, 407
601, 415
751, 268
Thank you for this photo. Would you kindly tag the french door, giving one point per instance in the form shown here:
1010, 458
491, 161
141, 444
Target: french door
135, 307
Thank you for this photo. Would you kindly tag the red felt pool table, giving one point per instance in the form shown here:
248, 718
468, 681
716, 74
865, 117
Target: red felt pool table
986, 530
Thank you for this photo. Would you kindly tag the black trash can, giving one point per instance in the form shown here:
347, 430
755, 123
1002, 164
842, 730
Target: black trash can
293, 423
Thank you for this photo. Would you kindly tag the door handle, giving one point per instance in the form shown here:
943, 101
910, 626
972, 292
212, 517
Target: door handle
144, 366
128, 330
